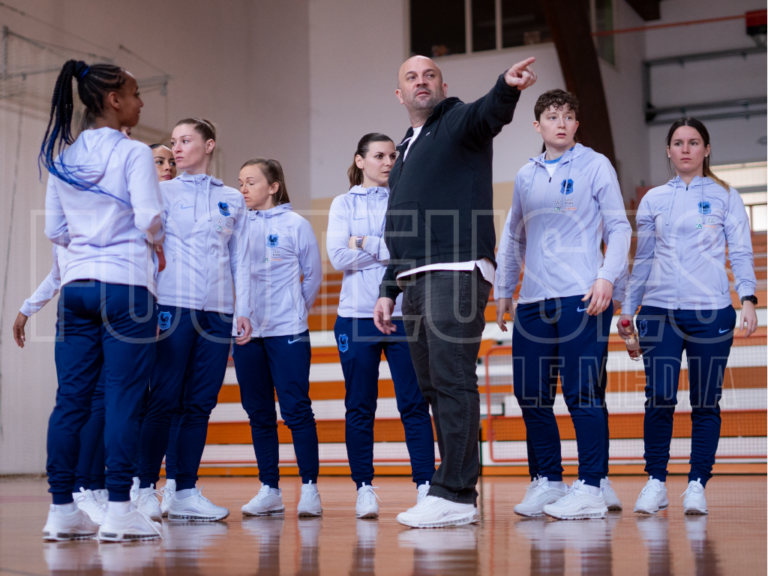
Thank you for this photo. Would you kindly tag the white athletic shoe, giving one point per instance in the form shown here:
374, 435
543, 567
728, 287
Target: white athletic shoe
63, 525
366, 506
168, 491
135, 525
695, 502
578, 504
268, 502
652, 498
611, 498
435, 512
196, 508
538, 494
309, 504
135, 490
148, 504
101, 496
423, 492
86, 502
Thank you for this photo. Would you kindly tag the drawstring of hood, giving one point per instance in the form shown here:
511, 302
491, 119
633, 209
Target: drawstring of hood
195, 179
672, 201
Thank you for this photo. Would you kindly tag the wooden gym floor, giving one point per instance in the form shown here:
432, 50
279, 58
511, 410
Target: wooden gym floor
731, 540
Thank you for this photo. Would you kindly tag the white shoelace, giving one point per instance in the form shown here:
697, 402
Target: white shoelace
694, 488
367, 491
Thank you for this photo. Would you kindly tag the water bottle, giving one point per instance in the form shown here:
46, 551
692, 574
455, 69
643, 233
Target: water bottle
632, 343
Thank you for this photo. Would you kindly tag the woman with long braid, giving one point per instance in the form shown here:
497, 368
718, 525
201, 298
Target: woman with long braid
103, 204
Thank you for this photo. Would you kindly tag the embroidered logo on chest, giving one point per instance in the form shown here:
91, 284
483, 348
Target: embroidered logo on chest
224, 208
272, 240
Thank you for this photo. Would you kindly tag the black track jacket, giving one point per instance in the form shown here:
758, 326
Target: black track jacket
441, 199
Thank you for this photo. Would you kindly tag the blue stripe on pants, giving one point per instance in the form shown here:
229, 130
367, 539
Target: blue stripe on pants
109, 326
195, 345
706, 336
360, 352
279, 364
554, 337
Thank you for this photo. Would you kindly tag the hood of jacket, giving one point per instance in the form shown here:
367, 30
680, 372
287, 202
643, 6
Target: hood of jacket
88, 158
272, 212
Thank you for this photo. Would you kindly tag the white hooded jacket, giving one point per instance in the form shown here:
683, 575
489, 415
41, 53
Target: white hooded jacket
107, 235
283, 247
206, 246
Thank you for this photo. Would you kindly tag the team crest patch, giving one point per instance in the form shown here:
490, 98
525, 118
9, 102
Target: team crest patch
164, 320
272, 240
705, 208
643, 328
566, 186
224, 208
343, 343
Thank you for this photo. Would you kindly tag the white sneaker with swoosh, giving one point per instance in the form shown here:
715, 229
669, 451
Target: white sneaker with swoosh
435, 512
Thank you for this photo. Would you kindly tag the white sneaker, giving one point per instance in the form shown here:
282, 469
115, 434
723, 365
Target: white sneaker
268, 502
652, 498
63, 525
135, 490
611, 498
168, 492
148, 504
538, 494
423, 492
366, 506
135, 525
86, 502
196, 508
578, 504
435, 512
309, 504
101, 496
695, 502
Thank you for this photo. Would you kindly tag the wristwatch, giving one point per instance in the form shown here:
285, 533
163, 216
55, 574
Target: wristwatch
359, 242
752, 298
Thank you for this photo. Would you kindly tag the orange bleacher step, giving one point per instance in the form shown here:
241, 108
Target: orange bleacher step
626, 426
328, 431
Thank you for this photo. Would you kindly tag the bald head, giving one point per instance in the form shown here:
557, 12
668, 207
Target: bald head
418, 64
420, 88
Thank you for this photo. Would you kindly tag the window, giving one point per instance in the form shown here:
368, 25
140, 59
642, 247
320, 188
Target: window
751, 180
444, 27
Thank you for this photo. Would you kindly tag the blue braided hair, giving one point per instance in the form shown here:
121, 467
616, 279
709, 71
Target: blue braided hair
93, 84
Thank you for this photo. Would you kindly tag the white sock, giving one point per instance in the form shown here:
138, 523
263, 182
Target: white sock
310, 487
181, 494
121, 508
560, 484
66, 508
170, 484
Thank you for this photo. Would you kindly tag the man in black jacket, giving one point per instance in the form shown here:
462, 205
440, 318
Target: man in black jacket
441, 240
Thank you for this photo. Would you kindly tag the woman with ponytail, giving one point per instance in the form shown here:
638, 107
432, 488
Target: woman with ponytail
103, 205
680, 281
356, 246
207, 246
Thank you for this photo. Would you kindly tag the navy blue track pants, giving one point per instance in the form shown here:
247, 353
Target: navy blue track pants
279, 364
195, 344
360, 347
557, 337
706, 336
109, 327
